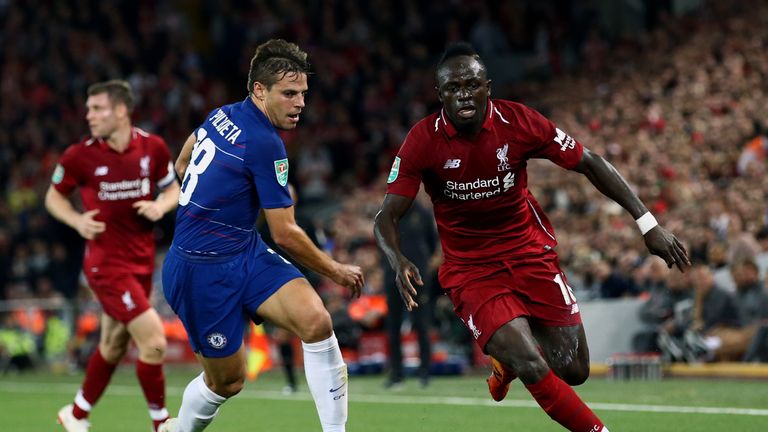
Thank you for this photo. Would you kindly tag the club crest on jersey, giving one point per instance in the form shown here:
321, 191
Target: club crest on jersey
281, 171
394, 171
501, 155
58, 174
144, 165
216, 340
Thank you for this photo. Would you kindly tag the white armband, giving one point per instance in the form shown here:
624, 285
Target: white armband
646, 222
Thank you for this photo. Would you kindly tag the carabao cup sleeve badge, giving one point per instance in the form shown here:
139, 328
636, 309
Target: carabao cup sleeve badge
58, 174
281, 171
394, 171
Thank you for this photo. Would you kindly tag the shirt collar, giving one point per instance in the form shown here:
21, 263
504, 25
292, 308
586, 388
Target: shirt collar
101, 143
248, 105
450, 129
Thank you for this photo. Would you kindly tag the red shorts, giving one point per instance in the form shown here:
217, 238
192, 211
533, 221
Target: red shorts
123, 296
486, 296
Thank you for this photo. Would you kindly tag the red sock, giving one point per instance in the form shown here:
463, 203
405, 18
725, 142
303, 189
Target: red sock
152, 382
97, 376
563, 404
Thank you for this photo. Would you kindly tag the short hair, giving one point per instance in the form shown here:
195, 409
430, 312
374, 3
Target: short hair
116, 90
459, 49
273, 60
748, 262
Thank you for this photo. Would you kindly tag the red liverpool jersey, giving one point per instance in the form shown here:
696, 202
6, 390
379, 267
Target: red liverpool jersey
112, 182
479, 187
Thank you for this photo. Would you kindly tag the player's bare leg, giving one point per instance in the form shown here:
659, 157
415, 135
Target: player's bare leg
297, 308
147, 331
565, 350
113, 342
515, 347
149, 336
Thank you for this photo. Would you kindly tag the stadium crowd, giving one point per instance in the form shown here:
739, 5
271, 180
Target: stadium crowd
678, 109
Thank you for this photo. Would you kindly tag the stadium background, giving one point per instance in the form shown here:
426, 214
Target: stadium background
671, 92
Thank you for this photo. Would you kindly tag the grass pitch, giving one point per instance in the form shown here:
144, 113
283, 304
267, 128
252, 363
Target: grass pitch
456, 404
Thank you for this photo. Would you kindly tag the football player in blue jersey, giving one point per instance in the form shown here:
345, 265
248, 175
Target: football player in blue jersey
219, 272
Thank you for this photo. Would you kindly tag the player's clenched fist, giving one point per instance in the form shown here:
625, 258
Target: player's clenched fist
88, 227
149, 209
350, 276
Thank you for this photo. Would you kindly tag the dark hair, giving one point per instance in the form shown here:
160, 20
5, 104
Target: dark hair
748, 262
762, 234
273, 60
116, 90
458, 49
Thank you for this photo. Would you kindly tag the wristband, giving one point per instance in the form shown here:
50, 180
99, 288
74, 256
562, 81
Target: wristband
646, 222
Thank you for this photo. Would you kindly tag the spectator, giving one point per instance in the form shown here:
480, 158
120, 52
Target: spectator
418, 227
713, 332
314, 171
751, 296
761, 259
752, 299
17, 347
659, 307
347, 330
616, 281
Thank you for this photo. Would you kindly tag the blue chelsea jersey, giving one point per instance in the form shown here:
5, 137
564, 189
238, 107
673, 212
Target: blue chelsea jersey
238, 165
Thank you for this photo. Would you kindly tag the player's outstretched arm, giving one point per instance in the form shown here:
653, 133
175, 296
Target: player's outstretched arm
61, 208
607, 180
385, 229
291, 238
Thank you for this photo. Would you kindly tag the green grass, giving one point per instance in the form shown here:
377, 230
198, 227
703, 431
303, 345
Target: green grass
29, 404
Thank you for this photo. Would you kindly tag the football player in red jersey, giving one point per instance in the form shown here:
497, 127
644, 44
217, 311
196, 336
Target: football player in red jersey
119, 171
500, 269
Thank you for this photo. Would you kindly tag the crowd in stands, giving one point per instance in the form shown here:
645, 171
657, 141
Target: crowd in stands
679, 109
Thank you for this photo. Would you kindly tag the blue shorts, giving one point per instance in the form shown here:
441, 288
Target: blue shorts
215, 296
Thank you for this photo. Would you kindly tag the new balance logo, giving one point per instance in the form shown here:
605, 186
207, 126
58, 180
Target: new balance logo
452, 163
101, 171
566, 142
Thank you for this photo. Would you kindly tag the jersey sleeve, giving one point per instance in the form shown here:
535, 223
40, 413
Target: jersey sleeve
267, 162
67, 175
164, 173
406, 173
550, 142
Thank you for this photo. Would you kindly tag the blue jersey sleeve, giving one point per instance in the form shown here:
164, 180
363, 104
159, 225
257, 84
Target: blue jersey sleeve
267, 162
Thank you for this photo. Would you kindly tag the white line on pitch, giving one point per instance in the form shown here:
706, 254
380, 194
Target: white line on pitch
125, 390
